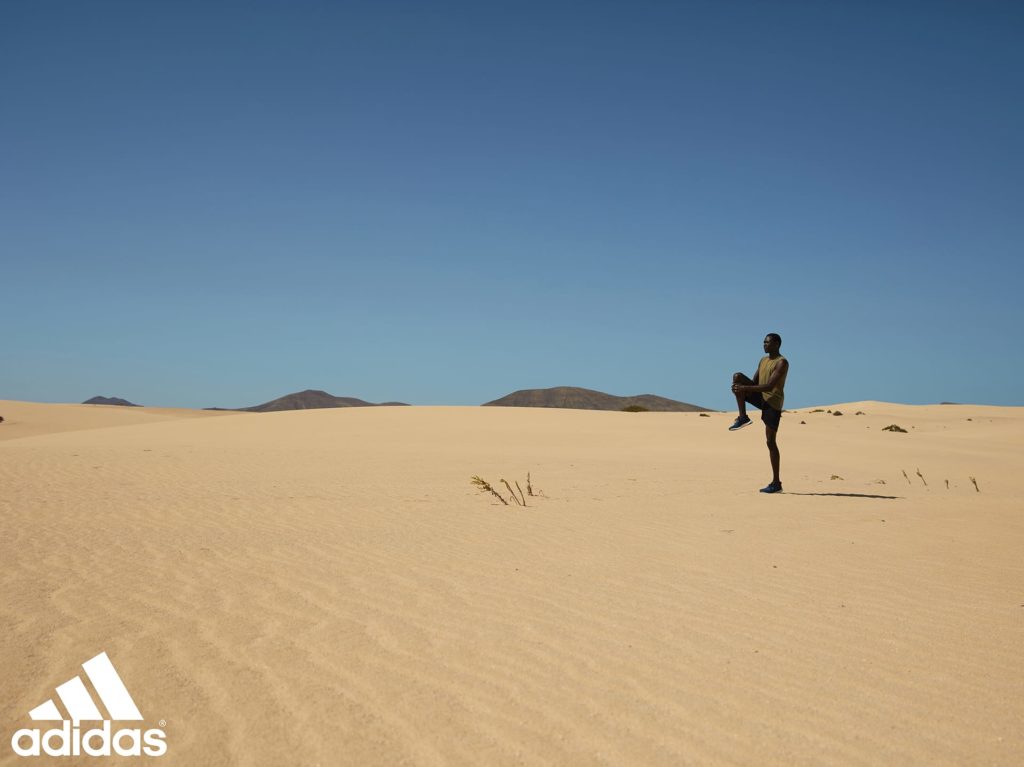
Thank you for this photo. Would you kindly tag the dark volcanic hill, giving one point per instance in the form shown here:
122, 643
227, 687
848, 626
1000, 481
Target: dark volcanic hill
312, 399
110, 401
588, 399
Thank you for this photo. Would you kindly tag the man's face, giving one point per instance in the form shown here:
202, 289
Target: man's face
770, 345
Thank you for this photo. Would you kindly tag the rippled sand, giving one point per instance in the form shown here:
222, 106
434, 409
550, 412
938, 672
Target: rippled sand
327, 587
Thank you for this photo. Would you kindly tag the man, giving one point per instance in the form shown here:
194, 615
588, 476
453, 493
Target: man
766, 393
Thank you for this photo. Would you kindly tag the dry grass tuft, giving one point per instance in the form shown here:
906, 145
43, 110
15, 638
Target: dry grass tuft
518, 499
513, 493
485, 487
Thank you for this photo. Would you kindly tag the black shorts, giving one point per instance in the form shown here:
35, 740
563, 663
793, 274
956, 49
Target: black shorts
769, 415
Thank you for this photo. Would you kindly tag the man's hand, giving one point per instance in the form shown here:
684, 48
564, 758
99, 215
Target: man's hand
739, 389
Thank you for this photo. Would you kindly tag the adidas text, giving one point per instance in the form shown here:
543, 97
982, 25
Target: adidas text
70, 740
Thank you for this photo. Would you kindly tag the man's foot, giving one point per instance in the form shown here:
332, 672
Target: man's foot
739, 423
772, 487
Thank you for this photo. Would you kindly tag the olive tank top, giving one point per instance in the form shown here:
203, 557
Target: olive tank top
765, 368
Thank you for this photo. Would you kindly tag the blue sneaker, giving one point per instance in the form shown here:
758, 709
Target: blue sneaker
772, 487
739, 423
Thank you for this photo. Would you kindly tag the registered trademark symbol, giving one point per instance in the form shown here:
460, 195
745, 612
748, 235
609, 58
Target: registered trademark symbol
162, 722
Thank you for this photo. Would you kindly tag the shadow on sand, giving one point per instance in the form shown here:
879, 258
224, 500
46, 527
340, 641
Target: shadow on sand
854, 495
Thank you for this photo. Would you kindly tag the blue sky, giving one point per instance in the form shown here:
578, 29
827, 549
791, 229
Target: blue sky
218, 203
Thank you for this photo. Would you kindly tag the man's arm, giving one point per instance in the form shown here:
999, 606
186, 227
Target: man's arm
780, 370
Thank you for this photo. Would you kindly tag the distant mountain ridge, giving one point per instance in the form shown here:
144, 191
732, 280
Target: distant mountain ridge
572, 397
97, 400
312, 399
587, 399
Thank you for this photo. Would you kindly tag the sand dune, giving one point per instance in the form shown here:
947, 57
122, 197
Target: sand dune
326, 587
30, 419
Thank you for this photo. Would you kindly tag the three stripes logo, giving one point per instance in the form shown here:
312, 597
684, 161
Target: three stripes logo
70, 740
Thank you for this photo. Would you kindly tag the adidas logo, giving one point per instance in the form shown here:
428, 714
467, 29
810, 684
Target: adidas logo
70, 740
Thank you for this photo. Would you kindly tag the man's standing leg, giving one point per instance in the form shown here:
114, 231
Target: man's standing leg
773, 454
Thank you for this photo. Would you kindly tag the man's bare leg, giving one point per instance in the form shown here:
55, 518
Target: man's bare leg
741, 402
773, 454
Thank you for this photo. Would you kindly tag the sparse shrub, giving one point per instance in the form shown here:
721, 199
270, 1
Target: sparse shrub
819, 410
975, 483
519, 500
838, 412
836, 476
705, 415
635, 409
513, 493
922, 477
894, 427
485, 487
859, 412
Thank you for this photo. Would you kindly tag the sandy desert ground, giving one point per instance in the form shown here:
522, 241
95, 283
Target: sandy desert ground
327, 587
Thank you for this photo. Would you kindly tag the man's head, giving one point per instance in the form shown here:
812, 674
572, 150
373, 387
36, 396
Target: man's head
772, 343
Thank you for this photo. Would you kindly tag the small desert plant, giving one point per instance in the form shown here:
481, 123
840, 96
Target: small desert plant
705, 415
838, 412
906, 477
975, 483
922, 477
819, 410
836, 476
947, 484
485, 487
635, 409
530, 491
513, 493
894, 427
520, 500
859, 412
